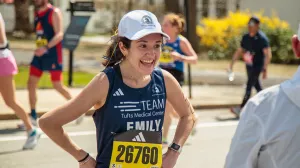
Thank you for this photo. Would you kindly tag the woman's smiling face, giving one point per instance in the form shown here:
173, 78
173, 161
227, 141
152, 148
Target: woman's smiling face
144, 53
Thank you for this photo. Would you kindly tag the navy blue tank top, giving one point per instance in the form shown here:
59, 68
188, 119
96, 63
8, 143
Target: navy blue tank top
45, 32
126, 109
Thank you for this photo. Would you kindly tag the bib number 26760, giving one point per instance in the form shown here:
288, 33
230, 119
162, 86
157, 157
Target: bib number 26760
144, 154
137, 149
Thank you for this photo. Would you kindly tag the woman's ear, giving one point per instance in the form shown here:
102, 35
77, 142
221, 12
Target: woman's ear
123, 49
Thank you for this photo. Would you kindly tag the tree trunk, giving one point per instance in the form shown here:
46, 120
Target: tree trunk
191, 22
22, 16
130, 5
238, 5
116, 14
205, 8
172, 6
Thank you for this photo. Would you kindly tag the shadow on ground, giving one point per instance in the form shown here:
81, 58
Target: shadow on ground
10, 152
226, 118
10, 131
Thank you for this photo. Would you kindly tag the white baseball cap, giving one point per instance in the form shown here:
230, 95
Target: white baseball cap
139, 23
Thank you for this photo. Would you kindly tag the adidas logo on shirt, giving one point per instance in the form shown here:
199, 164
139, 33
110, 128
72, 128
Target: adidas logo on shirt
118, 93
139, 138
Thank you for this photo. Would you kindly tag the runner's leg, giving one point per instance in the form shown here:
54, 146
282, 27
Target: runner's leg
257, 85
32, 85
7, 90
252, 80
56, 78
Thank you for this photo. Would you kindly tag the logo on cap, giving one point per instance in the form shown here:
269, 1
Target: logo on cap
147, 21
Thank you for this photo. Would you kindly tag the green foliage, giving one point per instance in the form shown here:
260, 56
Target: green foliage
221, 37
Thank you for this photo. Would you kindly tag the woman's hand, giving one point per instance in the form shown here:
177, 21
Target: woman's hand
90, 162
40, 51
170, 159
176, 56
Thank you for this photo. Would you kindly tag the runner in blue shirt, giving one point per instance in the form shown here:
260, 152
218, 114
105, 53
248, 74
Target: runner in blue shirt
175, 53
129, 97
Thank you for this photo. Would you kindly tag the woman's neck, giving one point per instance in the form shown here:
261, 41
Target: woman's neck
252, 34
173, 38
43, 8
131, 77
130, 74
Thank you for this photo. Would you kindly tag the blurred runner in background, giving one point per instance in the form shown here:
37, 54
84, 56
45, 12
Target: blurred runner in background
8, 68
175, 53
268, 133
48, 55
256, 52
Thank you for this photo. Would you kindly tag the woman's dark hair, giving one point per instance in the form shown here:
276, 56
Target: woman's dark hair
113, 53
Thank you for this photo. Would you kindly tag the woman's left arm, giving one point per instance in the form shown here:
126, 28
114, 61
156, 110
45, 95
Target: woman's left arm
191, 56
186, 115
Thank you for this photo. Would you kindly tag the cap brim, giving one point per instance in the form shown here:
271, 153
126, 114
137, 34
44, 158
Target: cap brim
145, 32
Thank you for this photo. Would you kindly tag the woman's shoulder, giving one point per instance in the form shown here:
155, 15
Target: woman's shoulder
168, 77
102, 78
183, 40
110, 70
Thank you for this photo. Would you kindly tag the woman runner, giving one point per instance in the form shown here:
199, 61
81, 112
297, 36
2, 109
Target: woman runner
129, 97
175, 53
8, 68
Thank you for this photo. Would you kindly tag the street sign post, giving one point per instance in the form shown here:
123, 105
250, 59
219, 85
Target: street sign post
188, 34
76, 29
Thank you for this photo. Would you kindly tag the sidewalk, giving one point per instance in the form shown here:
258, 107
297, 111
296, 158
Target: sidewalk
204, 97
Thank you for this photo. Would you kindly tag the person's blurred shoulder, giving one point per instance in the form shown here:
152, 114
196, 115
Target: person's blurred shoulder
263, 36
265, 94
263, 102
182, 38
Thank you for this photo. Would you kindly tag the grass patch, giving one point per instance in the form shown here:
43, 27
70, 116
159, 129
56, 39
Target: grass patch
80, 79
279, 70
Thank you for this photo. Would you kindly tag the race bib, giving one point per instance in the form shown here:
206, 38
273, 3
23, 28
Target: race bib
41, 42
166, 57
136, 149
248, 58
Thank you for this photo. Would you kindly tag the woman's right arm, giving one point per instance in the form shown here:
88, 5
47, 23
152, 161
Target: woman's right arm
51, 122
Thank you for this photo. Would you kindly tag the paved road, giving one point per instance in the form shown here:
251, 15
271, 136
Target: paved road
207, 148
